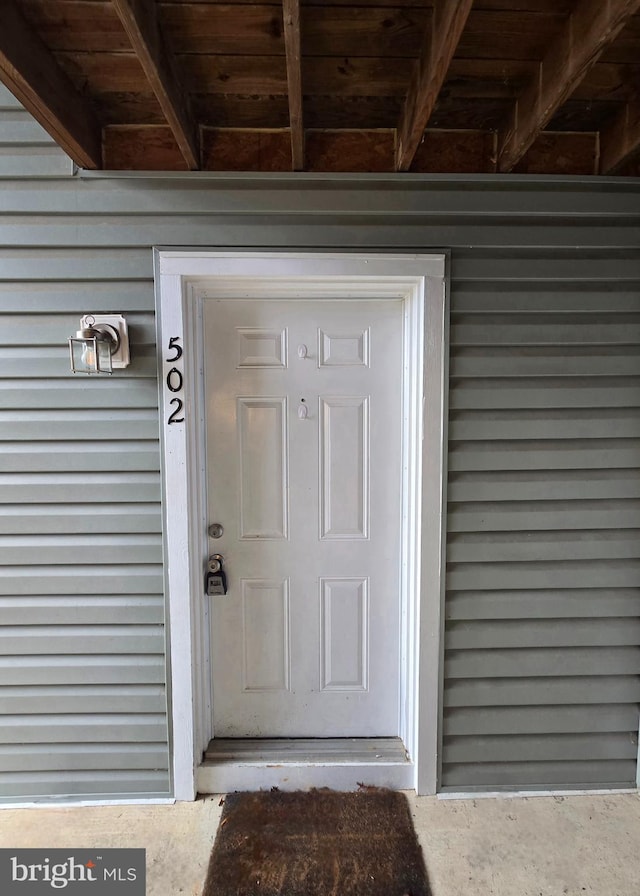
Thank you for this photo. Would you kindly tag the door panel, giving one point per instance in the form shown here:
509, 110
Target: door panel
344, 461
265, 634
262, 445
344, 634
304, 419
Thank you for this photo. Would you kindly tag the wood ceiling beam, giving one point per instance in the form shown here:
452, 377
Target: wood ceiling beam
291, 16
621, 140
141, 22
590, 28
30, 71
441, 40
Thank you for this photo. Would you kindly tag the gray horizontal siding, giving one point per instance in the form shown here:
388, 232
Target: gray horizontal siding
81, 519
26, 150
64, 457
543, 691
518, 720
85, 727
557, 775
133, 230
48, 769
81, 578
99, 609
542, 661
109, 783
83, 695
55, 488
38, 699
82, 668
82, 757
542, 637
330, 197
70, 639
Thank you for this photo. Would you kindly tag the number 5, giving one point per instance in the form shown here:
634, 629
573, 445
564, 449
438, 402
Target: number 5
173, 344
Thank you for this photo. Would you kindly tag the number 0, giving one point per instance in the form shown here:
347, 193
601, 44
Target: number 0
174, 380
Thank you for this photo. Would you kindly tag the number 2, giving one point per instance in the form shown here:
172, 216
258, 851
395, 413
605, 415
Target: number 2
174, 418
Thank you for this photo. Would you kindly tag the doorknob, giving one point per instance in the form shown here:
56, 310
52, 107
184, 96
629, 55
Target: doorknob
216, 580
216, 530
215, 562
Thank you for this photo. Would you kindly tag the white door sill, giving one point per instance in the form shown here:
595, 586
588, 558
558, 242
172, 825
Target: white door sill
298, 764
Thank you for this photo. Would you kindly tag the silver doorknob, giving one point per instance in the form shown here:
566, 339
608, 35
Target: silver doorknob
216, 530
215, 562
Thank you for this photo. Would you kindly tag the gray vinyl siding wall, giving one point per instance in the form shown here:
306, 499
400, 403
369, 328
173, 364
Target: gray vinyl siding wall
82, 649
26, 150
542, 658
542, 603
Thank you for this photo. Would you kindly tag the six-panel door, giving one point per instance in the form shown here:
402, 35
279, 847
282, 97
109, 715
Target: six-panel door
304, 423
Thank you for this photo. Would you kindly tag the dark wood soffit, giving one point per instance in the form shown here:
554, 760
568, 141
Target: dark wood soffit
140, 20
621, 140
31, 73
589, 30
112, 90
439, 46
447, 152
291, 16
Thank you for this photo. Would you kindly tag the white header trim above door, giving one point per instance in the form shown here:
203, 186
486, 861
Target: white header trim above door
183, 279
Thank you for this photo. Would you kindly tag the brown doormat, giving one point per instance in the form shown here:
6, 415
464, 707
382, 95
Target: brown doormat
316, 843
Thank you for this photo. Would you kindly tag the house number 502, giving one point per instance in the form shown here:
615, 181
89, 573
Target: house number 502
174, 380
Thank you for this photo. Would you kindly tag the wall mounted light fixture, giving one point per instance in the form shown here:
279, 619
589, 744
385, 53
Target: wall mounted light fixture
101, 345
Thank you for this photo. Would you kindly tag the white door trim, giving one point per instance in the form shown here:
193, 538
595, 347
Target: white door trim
183, 278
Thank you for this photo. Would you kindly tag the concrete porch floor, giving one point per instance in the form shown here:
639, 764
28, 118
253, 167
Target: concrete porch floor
535, 846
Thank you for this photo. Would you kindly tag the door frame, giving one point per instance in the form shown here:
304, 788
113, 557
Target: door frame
184, 279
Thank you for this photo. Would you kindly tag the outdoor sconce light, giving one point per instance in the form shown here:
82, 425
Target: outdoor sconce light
100, 345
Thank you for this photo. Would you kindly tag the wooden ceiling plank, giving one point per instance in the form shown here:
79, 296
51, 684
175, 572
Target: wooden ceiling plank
351, 150
291, 16
245, 150
441, 40
142, 148
140, 20
561, 152
620, 141
31, 73
456, 152
589, 30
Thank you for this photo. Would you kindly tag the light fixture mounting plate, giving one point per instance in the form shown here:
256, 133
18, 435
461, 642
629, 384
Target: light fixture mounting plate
120, 358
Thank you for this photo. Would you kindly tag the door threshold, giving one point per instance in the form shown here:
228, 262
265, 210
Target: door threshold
343, 763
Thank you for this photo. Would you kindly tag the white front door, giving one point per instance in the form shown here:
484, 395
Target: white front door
304, 431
